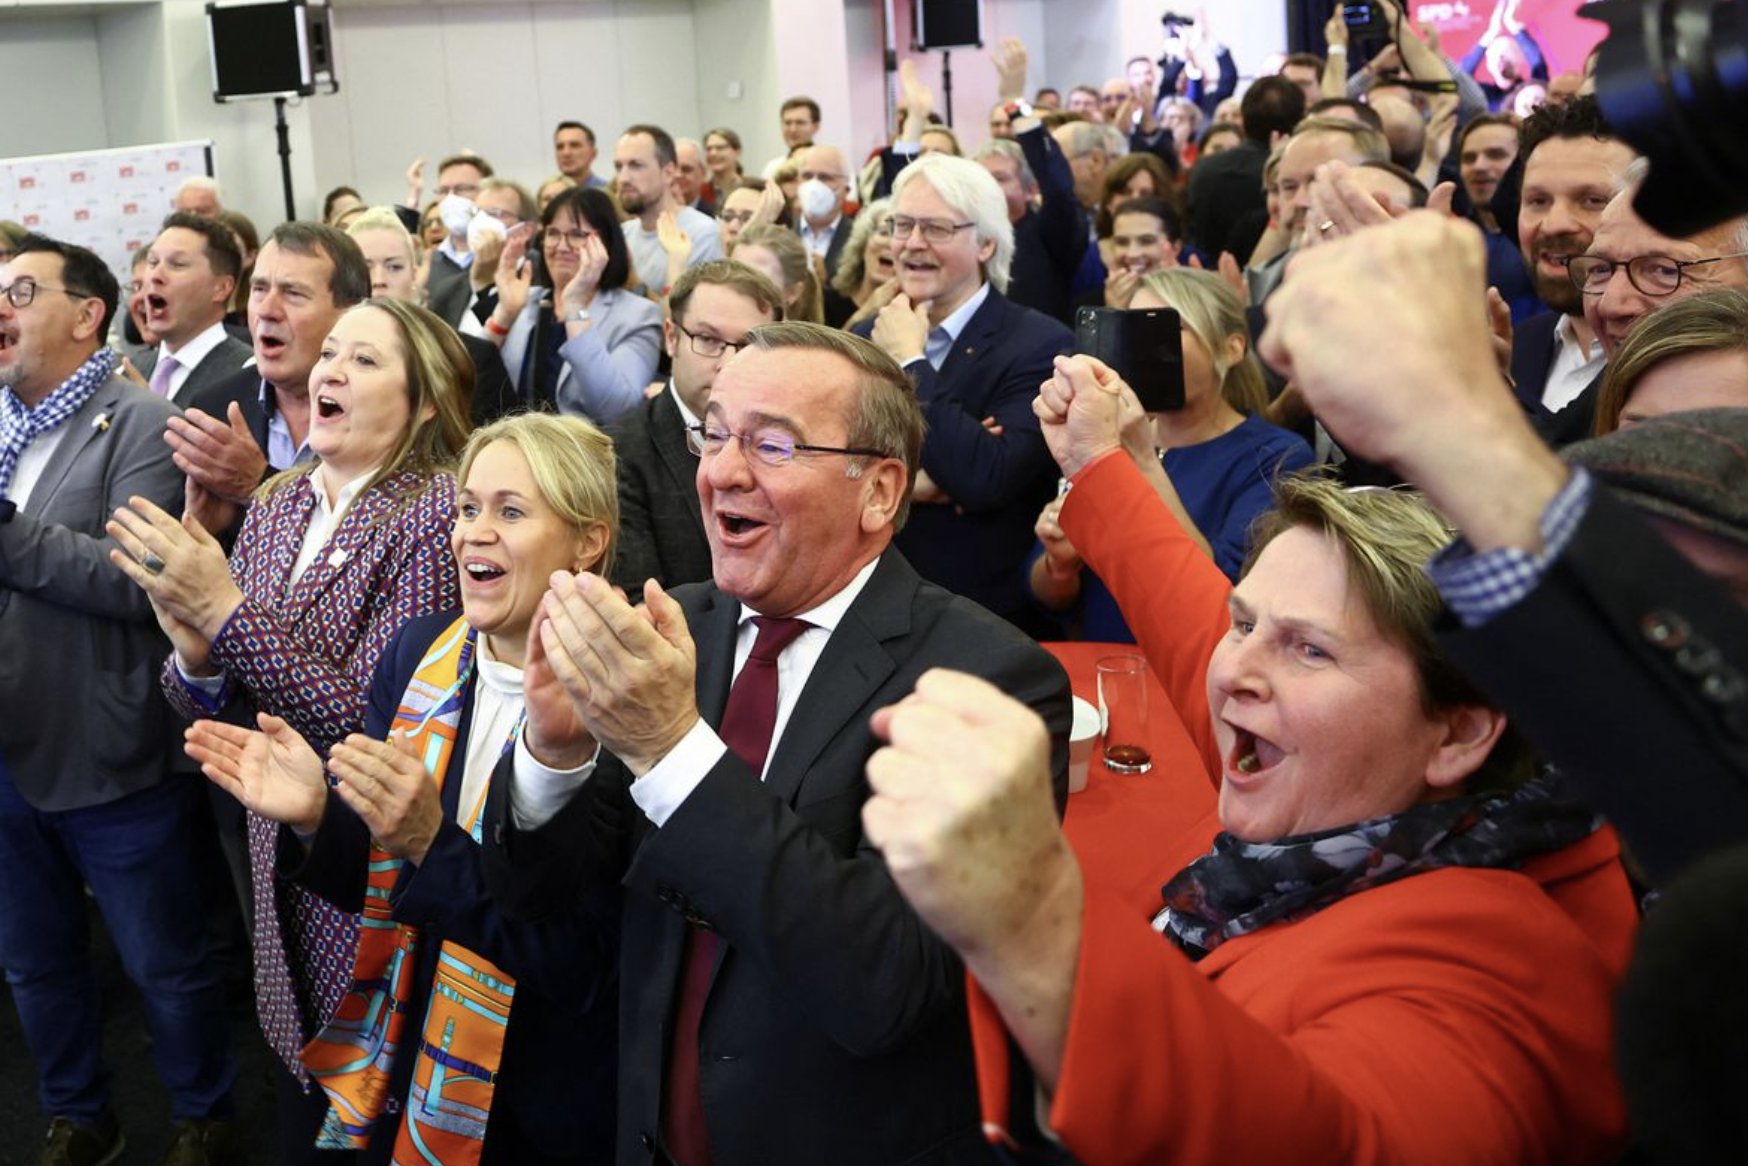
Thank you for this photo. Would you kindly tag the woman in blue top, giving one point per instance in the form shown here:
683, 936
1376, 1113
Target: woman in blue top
581, 341
1217, 458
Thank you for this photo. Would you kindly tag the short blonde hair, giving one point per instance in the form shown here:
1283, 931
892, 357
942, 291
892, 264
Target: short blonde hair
1712, 321
573, 466
1386, 538
1214, 312
382, 218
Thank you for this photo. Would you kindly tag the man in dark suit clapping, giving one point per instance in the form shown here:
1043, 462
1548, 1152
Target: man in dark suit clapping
786, 1006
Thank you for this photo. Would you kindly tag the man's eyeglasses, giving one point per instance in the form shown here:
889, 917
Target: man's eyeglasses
768, 448
934, 230
826, 176
709, 347
1653, 275
464, 189
21, 292
741, 217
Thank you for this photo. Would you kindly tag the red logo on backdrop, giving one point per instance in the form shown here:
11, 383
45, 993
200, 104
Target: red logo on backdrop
26, 182
173, 166
80, 216
33, 220
130, 208
76, 176
127, 171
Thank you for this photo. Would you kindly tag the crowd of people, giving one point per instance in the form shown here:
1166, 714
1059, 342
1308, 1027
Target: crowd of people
711, 528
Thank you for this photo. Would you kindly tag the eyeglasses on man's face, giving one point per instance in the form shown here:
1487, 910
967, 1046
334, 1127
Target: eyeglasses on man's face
707, 346
741, 217
1652, 275
767, 447
933, 230
21, 292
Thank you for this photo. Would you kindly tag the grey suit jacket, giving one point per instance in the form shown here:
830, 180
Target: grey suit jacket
225, 360
84, 721
661, 523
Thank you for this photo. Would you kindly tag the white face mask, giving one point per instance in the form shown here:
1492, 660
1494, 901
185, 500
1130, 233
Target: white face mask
456, 212
817, 199
482, 227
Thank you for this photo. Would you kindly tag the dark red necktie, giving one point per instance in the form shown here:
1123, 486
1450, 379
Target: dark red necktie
747, 723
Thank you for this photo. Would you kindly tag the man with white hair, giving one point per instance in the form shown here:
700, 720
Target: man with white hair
689, 175
977, 359
1631, 269
199, 196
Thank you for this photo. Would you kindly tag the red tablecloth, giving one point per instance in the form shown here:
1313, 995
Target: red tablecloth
1123, 825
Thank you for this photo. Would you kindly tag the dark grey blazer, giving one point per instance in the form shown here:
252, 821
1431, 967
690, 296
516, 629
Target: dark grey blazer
225, 360
1625, 668
661, 524
448, 289
82, 719
835, 1028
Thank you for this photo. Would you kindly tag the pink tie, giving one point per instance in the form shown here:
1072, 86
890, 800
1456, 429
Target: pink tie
748, 721
161, 374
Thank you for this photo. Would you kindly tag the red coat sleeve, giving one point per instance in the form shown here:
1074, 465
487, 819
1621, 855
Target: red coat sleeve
1171, 594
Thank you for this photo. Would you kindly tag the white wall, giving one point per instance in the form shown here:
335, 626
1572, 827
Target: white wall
496, 75
54, 84
496, 78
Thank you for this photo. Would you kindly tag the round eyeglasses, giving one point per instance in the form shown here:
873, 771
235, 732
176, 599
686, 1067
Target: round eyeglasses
1652, 275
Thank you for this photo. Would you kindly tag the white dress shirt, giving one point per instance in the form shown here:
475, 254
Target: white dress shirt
1574, 367
537, 793
190, 355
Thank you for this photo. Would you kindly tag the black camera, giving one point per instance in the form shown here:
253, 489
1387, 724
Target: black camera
1173, 21
1366, 21
1672, 79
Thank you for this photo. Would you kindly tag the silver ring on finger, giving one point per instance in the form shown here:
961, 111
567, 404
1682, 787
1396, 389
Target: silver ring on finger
1326, 226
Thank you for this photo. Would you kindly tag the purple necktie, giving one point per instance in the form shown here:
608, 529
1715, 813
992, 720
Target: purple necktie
747, 723
161, 374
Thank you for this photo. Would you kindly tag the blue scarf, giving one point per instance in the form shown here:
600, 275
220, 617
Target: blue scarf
19, 426
1240, 887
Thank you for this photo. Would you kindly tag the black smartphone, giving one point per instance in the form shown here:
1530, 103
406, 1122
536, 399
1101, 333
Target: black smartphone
1366, 20
1144, 345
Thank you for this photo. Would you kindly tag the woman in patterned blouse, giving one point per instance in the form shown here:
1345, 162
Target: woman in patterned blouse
334, 557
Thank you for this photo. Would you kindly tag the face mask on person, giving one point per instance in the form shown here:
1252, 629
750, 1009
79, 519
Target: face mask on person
456, 212
482, 227
817, 199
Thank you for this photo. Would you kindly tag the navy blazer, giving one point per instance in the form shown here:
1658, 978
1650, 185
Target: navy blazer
1050, 241
1532, 358
555, 1101
835, 1027
977, 544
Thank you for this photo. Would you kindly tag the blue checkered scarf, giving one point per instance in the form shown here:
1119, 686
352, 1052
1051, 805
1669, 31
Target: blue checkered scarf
19, 426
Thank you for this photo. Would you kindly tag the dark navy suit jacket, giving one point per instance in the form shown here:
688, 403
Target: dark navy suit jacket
1532, 357
555, 1101
977, 544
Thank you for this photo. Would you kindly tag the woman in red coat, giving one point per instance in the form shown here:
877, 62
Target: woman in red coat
1396, 948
